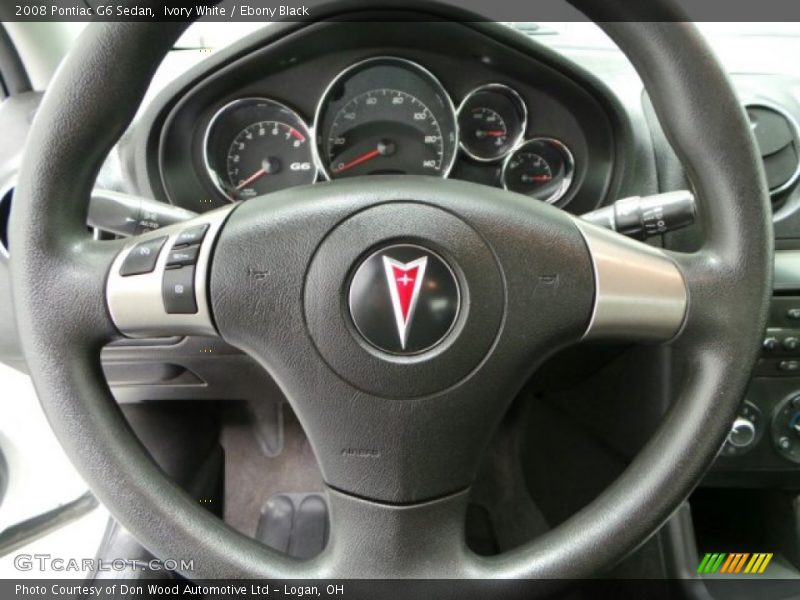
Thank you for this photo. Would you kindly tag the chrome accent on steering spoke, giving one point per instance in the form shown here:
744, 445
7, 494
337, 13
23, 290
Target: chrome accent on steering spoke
640, 293
787, 270
136, 302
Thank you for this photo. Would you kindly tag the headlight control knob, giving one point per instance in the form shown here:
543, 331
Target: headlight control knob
743, 433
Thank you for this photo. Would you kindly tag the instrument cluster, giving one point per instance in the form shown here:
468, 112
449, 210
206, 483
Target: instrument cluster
382, 115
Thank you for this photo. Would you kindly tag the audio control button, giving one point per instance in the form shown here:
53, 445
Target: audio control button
142, 258
186, 255
193, 235
178, 291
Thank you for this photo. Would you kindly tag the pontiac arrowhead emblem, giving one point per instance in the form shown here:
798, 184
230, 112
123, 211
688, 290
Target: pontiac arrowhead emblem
405, 281
404, 299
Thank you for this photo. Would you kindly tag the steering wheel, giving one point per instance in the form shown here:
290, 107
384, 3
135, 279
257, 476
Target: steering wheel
397, 385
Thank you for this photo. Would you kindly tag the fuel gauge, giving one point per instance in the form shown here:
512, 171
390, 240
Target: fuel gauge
541, 168
491, 120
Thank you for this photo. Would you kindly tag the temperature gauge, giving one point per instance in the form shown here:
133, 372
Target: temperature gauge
541, 168
492, 120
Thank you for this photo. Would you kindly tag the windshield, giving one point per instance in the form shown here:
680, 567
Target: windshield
583, 34
746, 47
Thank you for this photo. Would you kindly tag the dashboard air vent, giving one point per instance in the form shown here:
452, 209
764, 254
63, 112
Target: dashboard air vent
778, 139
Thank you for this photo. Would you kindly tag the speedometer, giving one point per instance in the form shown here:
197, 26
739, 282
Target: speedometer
386, 116
384, 131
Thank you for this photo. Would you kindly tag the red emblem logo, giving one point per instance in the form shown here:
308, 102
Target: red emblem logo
405, 281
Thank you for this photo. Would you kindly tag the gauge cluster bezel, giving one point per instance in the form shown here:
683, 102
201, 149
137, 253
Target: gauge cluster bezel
323, 115
295, 70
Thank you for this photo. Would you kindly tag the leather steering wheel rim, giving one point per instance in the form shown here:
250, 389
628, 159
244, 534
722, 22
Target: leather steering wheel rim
63, 321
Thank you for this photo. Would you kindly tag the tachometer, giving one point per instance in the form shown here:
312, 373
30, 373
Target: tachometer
255, 146
386, 116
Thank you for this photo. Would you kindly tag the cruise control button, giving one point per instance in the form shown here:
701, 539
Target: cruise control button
178, 291
142, 259
183, 256
789, 365
193, 235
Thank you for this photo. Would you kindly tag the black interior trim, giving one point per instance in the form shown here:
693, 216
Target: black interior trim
13, 76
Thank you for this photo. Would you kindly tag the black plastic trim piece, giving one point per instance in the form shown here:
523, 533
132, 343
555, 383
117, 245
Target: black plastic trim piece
13, 77
36, 527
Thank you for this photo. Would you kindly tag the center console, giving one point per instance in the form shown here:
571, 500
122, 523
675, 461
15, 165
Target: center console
765, 439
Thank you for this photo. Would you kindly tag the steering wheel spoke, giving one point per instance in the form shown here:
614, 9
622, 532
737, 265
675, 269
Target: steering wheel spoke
158, 283
424, 540
77, 295
640, 290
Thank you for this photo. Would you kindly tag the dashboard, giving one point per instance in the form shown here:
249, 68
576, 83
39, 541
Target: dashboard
293, 113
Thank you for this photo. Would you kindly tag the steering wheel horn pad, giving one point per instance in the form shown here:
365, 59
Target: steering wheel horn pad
481, 300
389, 427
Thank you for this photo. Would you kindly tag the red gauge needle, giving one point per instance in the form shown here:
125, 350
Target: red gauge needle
254, 177
358, 160
536, 178
269, 167
495, 133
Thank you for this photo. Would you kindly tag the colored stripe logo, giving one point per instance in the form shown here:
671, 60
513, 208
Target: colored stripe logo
734, 563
